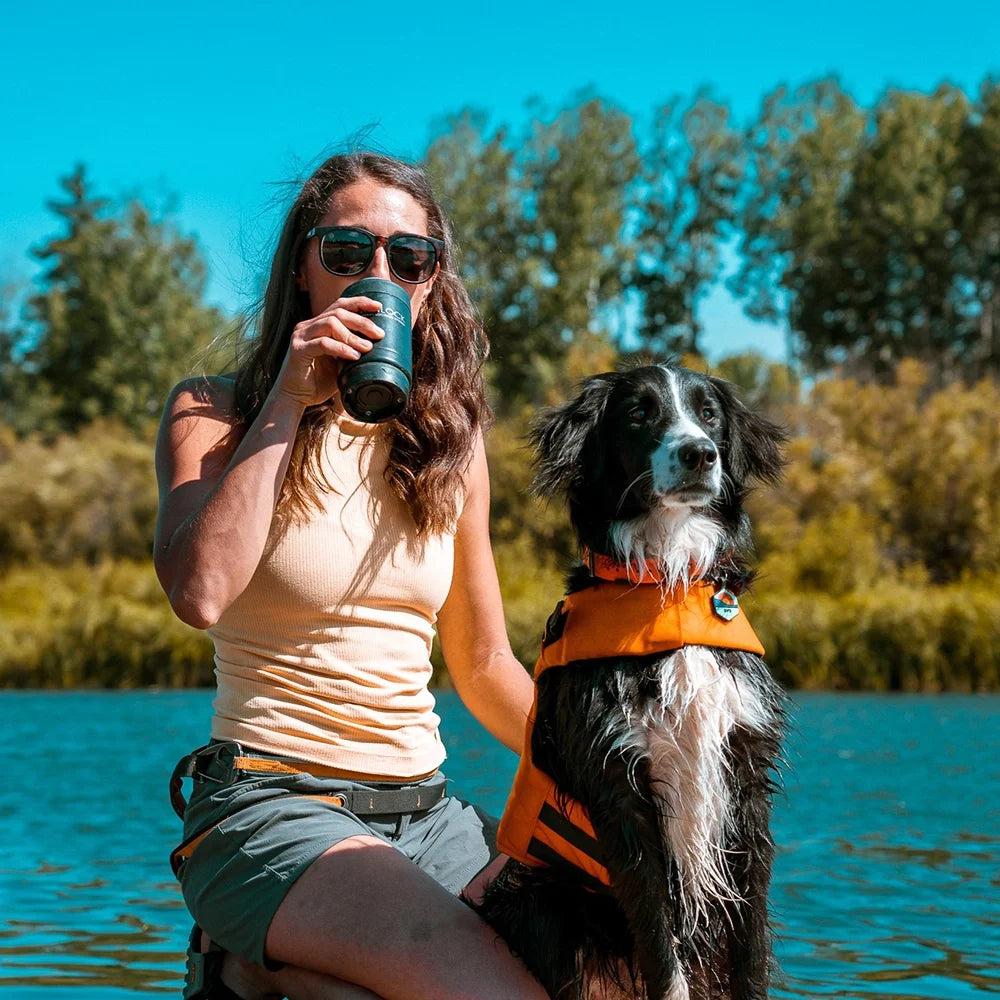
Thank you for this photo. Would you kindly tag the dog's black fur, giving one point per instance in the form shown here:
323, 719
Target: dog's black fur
655, 464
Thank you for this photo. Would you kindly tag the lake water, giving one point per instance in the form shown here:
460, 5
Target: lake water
887, 882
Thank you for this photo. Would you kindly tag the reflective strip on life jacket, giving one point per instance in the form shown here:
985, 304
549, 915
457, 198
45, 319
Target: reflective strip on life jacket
541, 827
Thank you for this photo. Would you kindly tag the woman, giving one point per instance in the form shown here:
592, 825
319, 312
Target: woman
318, 552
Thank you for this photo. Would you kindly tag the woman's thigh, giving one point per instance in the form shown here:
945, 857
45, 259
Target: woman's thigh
364, 913
388, 914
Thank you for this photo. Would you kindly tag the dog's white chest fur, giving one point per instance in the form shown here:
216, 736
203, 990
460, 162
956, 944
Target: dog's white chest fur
684, 734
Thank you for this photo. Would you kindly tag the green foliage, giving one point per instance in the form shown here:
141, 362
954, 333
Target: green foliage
515, 512
890, 637
479, 182
569, 231
978, 219
764, 385
585, 238
581, 168
876, 231
532, 541
118, 317
107, 625
692, 172
878, 552
879, 549
531, 587
85, 496
896, 480
540, 221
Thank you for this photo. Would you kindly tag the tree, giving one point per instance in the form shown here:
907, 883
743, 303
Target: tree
979, 221
888, 286
886, 482
583, 167
692, 170
877, 232
484, 191
764, 385
118, 315
541, 223
801, 151
24, 404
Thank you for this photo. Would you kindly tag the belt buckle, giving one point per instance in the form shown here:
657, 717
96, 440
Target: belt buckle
192, 767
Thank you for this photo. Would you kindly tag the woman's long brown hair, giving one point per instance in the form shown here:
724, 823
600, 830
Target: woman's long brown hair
433, 438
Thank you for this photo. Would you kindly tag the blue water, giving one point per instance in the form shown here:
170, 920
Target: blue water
887, 882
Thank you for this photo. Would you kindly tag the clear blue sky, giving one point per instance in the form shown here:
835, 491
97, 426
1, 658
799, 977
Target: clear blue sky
214, 102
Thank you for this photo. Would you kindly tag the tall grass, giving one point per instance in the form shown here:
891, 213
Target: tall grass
110, 626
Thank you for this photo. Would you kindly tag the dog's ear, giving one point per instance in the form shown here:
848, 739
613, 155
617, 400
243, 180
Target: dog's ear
753, 443
560, 435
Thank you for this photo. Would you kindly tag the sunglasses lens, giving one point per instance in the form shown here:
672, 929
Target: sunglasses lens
411, 258
346, 251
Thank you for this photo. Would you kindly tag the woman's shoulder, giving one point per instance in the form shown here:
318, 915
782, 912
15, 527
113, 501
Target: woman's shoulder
204, 395
200, 416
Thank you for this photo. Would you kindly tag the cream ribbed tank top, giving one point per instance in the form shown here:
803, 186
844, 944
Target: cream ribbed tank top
325, 656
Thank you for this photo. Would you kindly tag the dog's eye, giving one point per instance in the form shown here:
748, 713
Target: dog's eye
637, 414
707, 413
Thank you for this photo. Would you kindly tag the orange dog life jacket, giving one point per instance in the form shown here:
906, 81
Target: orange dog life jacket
613, 618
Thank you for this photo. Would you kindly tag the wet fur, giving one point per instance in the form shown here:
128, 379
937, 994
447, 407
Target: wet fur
674, 756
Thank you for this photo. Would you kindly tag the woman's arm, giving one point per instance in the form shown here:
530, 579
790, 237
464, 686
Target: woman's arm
493, 685
219, 482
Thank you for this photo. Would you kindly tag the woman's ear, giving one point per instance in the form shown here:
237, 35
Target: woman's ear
429, 283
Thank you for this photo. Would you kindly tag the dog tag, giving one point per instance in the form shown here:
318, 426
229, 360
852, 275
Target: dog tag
725, 604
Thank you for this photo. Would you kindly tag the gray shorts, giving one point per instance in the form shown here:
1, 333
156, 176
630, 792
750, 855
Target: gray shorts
268, 834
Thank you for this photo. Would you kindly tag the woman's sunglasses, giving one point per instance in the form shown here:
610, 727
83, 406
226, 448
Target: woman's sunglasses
347, 250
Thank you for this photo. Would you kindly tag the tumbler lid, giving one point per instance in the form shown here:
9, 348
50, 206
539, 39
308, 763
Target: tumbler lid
377, 288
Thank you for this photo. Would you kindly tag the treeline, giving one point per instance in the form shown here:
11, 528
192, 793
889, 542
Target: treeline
873, 232
878, 552
587, 240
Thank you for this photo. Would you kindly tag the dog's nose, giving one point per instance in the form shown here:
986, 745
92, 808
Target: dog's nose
698, 455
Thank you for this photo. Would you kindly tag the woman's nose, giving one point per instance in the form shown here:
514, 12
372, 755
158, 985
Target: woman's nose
380, 265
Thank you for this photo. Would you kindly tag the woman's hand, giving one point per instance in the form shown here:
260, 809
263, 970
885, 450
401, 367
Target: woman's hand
319, 346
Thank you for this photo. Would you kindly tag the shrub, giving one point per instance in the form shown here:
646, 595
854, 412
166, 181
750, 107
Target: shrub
83, 497
103, 626
891, 637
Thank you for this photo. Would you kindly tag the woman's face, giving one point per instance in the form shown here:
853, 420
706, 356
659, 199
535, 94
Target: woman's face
382, 210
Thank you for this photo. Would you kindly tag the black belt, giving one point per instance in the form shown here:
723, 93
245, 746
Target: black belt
219, 763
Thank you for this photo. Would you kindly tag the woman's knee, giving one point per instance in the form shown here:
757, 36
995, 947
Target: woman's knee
364, 913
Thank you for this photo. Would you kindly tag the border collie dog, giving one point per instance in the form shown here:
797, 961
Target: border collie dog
672, 754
